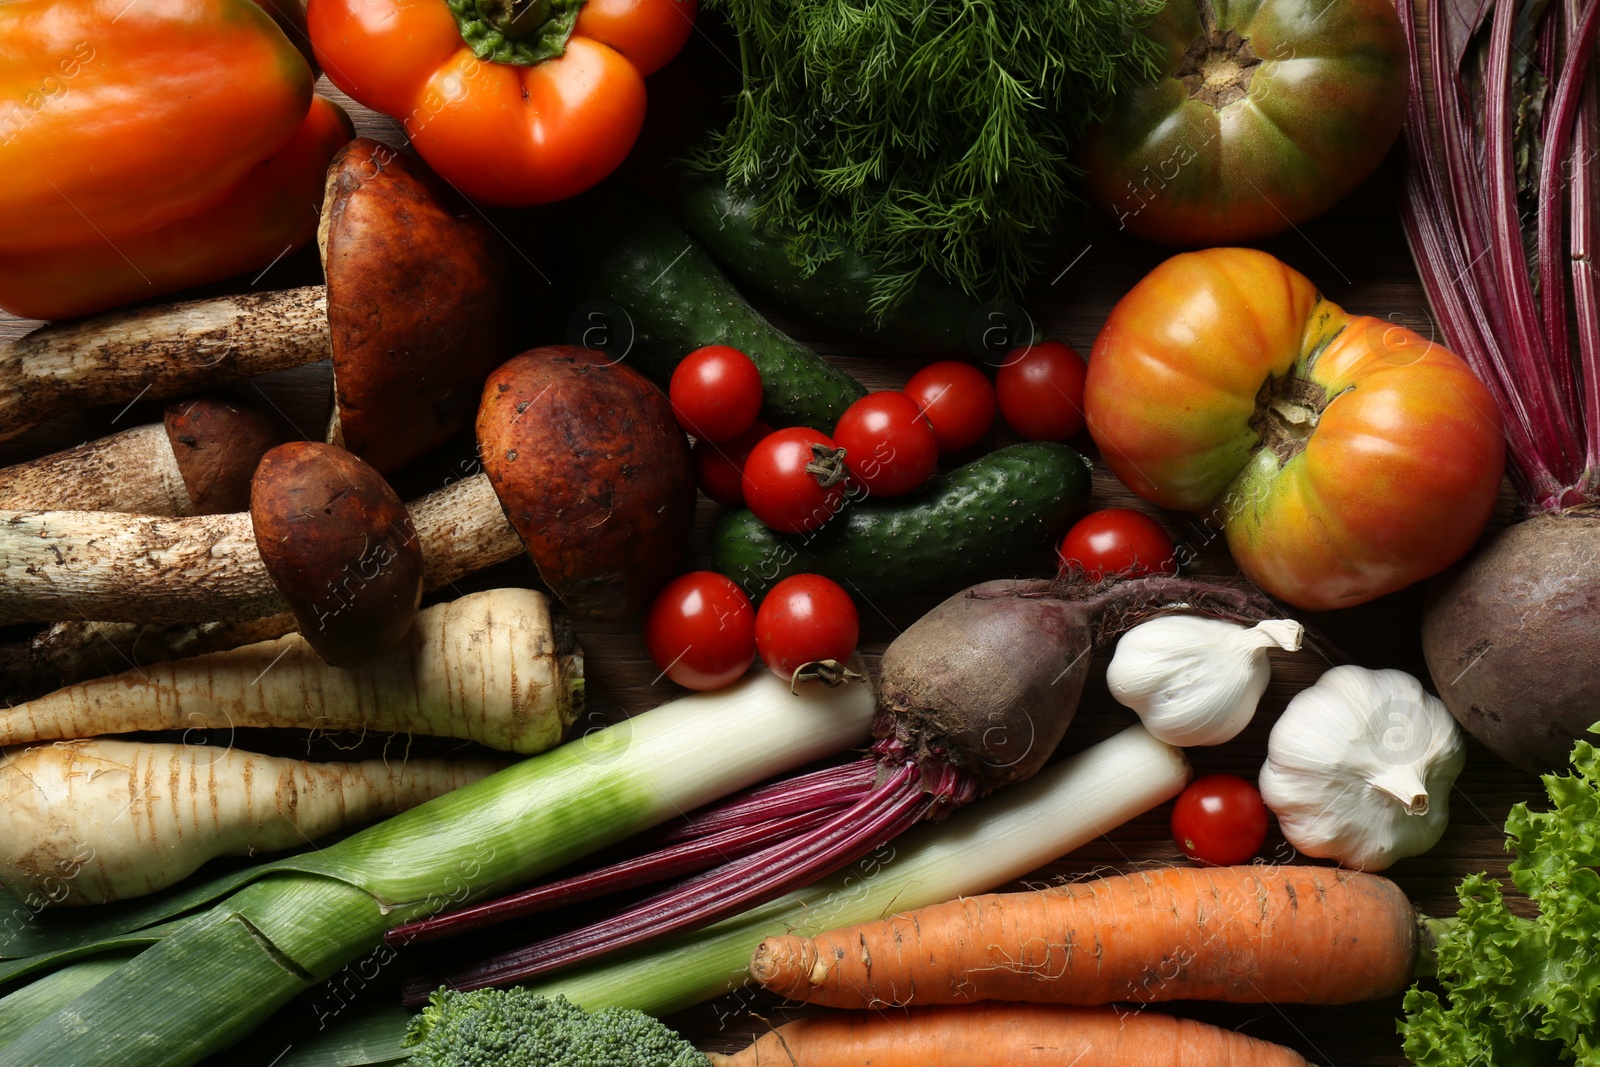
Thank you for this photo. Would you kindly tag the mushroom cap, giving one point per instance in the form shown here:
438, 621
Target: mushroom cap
418, 304
593, 472
339, 544
217, 444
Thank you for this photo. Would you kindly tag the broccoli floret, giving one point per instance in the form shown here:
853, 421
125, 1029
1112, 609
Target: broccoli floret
515, 1028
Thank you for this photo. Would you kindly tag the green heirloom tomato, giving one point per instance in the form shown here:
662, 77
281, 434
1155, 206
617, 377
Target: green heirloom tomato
1266, 113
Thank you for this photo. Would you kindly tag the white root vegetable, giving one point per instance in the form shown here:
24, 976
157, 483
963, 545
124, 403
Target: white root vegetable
493, 667
87, 822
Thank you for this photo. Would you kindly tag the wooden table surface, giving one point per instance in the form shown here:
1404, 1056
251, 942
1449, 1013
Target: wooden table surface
1358, 257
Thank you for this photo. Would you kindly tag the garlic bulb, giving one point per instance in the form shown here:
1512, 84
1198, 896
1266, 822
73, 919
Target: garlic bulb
1194, 680
1359, 768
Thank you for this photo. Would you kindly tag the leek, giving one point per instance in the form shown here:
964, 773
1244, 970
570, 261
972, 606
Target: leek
41, 999
979, 848
218, 975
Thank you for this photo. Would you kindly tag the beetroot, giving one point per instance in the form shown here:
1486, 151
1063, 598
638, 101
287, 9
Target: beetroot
989, 680
1512, 639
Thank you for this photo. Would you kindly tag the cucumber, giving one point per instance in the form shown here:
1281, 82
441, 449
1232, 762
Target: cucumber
933, 320
636, 277
996, 508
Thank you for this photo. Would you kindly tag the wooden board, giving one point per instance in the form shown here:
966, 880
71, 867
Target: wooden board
1358, 257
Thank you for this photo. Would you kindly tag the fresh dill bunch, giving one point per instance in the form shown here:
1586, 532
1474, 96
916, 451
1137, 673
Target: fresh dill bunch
925, 134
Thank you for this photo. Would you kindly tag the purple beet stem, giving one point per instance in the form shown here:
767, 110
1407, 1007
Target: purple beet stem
1463, 222
900, 802
843, 784
674, 861
722, 833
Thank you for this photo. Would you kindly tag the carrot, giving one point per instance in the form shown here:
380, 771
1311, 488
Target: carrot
1035, 1035
1252, 934
85, 822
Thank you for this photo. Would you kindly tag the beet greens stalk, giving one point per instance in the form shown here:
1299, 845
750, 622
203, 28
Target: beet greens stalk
734, 828
1499, 212
973, 696
1493, 137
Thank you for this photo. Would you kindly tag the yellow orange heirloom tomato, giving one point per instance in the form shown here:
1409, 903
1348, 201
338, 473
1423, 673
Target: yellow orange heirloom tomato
150, 145
511, 101
1343, 457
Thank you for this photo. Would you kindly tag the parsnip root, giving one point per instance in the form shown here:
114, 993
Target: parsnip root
86, 822
493, 667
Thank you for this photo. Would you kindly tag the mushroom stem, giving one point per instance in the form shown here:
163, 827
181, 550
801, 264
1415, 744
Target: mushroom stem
139, 568
105, 565
197, 461
133, 470
158, 352
463, 529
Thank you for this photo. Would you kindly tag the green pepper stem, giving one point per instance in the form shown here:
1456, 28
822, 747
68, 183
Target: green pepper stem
516, 32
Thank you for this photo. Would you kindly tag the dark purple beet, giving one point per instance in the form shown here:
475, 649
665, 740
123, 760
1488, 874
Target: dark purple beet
1512, 639
989, 680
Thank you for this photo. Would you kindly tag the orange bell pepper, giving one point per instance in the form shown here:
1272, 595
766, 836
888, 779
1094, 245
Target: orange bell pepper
150, 145
511, 101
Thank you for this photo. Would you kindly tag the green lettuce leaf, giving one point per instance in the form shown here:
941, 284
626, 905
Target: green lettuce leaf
1515, 990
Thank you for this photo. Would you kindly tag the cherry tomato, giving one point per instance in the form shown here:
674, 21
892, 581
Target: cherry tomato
719, 465
958, 400
780, 490
889, 446
1219, 819
804, 619
715, 392
1040, 391
701, 630
1118, 541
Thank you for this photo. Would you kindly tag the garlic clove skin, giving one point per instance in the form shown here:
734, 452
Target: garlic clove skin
1194, 680
1360, 766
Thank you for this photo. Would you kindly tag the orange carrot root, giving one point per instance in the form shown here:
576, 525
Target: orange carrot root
1030, 1035
1252, 934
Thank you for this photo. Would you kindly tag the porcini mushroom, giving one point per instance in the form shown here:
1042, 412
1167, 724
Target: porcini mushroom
197, 461
157, 569
326, 539
597, 479
340, 548
597, 482
461, 529
414, 314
